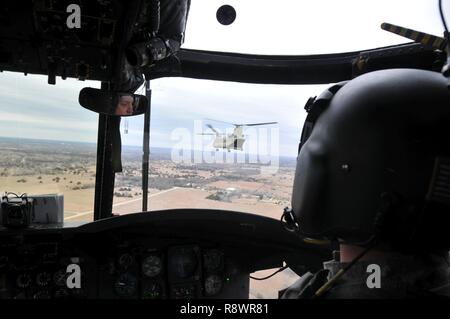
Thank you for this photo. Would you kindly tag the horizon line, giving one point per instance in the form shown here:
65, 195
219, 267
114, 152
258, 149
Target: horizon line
126, 145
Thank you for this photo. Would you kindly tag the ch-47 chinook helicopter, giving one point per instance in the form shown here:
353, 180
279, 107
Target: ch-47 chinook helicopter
182, 253
233, 141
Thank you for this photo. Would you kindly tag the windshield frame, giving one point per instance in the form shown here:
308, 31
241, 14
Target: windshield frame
290, 69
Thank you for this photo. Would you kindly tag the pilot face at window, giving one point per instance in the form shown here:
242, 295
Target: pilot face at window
125, 105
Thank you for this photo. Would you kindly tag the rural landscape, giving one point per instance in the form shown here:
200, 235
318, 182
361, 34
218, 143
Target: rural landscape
49, 167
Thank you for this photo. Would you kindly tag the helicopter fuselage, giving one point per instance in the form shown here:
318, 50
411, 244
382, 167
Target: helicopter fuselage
234, 141
230, 142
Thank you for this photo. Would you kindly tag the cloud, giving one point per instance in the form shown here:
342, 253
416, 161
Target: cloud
30, 108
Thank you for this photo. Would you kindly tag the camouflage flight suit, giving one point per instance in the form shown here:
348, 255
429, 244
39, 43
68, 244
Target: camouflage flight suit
400, 277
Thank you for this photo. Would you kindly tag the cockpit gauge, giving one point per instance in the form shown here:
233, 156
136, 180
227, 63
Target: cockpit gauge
184, 292
212, 259
126, 285
60, 277
43, 279
61, 293
125, 261
152, 290
23, 280
110, 267
183, 263
43, 294
152, 266
213, 285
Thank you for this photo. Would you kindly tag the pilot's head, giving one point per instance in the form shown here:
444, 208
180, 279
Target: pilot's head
125, 105
377, 163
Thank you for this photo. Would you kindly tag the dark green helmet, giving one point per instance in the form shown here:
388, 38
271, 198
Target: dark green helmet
377, 161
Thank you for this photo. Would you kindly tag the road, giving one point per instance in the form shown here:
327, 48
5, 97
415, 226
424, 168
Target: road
115, 206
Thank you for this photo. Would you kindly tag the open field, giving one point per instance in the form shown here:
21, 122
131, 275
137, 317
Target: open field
47, 167
44, 167
240, 186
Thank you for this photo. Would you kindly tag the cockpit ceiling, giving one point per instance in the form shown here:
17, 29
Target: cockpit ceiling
41, 36
35, 38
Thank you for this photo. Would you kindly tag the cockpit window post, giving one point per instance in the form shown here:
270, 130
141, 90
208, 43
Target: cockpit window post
105, 175
146, 148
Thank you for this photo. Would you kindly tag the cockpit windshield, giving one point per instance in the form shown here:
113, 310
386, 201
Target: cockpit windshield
293, 27
212, 147
47, 141
211, 144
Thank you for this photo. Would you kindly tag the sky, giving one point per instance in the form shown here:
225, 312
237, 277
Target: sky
31, 108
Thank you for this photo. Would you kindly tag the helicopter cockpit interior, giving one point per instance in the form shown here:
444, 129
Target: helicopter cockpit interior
171, 252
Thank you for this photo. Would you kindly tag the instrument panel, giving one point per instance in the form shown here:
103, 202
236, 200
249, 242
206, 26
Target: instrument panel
175, 272
37, 271
172, 254
126, 271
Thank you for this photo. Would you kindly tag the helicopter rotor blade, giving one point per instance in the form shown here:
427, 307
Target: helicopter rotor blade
212, 129
221, 122
238, 125
426, 39
257, 124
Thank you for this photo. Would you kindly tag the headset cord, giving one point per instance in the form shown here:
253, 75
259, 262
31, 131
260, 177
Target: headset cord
441, 12
446, 68
329, 284
267, 277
